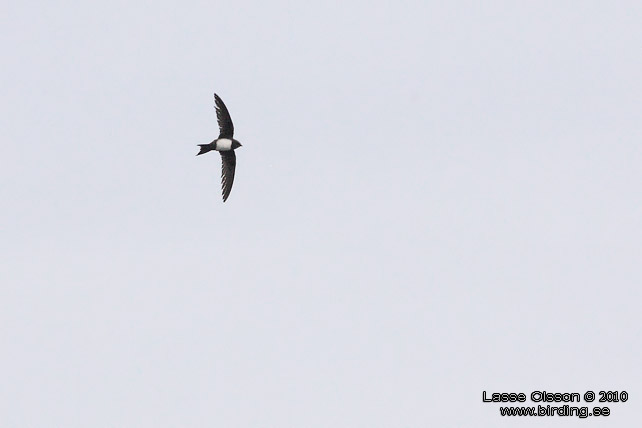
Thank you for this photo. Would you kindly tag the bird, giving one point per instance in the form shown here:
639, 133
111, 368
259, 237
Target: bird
225, 144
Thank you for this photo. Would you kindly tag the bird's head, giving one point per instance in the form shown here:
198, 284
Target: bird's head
235, 144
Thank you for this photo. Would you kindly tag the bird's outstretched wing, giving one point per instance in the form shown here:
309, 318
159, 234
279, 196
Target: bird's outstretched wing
224, 119
227, 172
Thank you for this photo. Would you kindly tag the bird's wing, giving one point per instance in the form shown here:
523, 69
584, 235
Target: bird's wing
227, 172
224, 119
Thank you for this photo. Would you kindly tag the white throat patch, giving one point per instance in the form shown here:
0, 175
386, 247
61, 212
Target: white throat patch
223, 144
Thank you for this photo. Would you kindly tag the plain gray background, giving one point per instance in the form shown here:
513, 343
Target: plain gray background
432, 199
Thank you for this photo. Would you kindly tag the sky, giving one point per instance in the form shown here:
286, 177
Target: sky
432, 200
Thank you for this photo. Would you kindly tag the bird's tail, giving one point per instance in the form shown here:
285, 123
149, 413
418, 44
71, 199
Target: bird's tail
204, 148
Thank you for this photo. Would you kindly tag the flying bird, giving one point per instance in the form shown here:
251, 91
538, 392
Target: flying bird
225, 145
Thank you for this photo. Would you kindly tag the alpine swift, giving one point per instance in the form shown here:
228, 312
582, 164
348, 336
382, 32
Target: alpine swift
225, 145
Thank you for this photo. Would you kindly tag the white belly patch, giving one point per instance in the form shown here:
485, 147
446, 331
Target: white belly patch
223, 145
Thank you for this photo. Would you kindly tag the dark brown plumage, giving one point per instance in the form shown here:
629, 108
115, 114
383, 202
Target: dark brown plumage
225, 145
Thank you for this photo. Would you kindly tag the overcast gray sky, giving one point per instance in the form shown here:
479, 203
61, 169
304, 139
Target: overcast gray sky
432, 199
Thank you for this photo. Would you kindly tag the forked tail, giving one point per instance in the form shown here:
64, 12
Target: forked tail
204, 148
